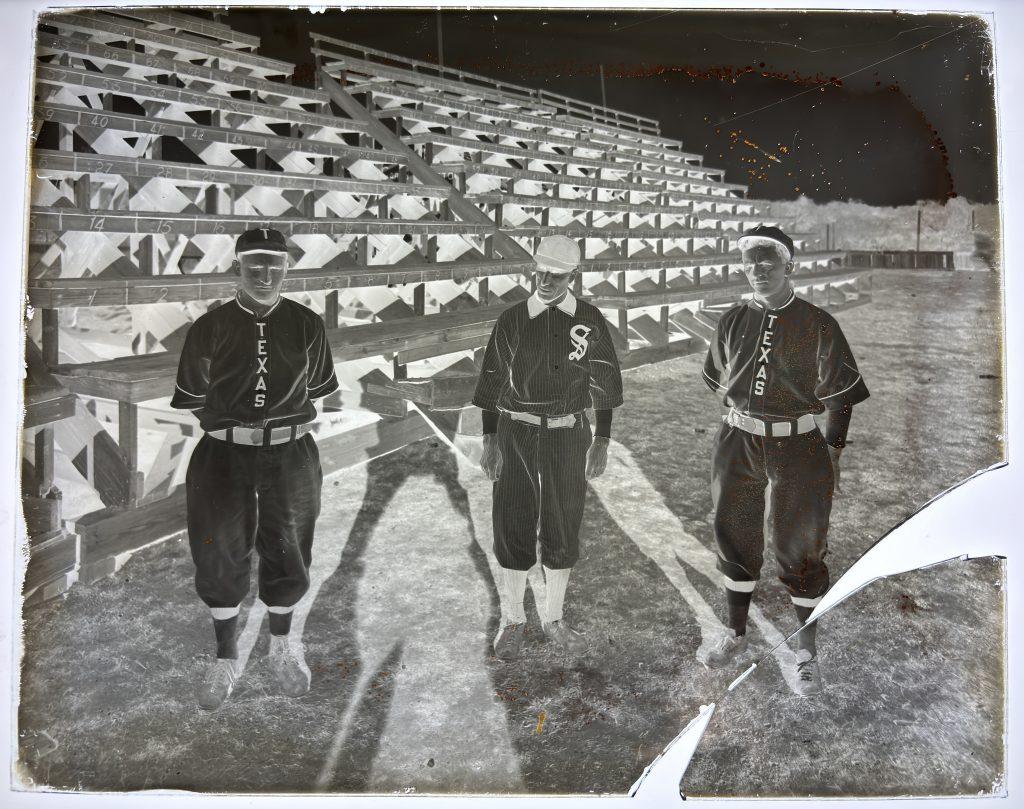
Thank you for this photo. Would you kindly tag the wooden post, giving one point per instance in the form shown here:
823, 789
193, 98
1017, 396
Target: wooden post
331, 309
419, 299
51, 338
483, 293
83, 192
918, 230
44, 460
128, 441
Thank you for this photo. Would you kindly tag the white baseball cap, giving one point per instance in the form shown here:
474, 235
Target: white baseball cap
557, 254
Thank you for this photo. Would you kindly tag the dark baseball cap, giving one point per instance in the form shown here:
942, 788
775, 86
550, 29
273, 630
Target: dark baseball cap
763, 234
261, 240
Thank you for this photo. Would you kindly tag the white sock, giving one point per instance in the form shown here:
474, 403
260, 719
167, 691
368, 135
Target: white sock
223, 613
555, 583
514, 586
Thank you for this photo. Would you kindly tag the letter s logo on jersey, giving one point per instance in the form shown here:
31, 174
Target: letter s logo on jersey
579, 334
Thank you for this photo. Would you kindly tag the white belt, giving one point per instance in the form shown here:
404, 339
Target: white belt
551, 422
774, 429
258, 436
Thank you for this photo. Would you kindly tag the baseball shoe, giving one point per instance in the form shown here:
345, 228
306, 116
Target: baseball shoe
288, 665
728, 649
509, 641
218, 682
808, 675
569, 639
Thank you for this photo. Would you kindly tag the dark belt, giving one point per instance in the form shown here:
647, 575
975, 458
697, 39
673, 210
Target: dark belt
260, 436
545, 422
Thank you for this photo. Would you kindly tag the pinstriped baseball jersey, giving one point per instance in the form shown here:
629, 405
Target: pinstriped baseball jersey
783, 362
549, 360
238, 368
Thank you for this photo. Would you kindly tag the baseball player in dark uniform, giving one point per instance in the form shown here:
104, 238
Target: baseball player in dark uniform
548, 359
250, 370
777, 360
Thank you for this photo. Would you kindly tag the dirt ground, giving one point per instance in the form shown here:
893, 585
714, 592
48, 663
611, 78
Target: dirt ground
407, 697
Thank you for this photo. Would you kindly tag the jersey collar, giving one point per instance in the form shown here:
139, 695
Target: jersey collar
534, 305
789, 300
245, 308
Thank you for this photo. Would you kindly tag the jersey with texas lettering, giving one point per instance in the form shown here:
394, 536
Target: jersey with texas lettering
783, 362
241, 369
549, 360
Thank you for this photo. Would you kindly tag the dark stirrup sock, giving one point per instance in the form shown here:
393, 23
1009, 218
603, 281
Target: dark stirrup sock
281, 623
808, 635
739, 606
225, 631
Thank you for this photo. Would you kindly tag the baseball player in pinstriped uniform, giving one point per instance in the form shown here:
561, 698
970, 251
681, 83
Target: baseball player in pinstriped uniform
777, 360
250, 370
548, 358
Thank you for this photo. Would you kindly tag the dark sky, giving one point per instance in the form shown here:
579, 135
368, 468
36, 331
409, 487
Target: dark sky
885, 108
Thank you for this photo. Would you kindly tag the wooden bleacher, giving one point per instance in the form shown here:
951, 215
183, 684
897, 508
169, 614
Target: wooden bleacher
412, 197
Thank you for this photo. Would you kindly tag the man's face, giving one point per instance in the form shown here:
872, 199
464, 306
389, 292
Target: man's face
552, 285
767, 272
262, 275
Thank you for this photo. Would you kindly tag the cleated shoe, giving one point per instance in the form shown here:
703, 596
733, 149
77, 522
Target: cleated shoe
729, 649
509, 641
565, 636
218, 682
808, 675
288, 665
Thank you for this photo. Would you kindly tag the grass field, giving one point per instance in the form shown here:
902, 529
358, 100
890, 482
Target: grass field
406, 695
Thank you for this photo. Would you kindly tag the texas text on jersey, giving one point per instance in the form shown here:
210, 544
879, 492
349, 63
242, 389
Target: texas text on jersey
783, 362
241, 369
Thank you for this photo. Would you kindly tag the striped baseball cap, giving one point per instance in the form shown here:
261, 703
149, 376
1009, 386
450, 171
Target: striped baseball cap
765, 234
261, 240
557, 254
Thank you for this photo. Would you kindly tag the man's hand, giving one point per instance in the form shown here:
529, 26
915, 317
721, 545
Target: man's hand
597, 458
491, 460
834, 453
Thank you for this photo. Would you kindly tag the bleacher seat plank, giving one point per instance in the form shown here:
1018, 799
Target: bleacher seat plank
552, 178
615, 206
48, 162
518, 153
539, 135
706, 292
123, 122
52, 293
139, 378
105, 26
58, 45
45, 404
137, 88
149, 222
189, 24
388, 90
149, 376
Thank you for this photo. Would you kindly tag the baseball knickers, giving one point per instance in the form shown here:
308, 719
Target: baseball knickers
802, 480
241, 497
540, 493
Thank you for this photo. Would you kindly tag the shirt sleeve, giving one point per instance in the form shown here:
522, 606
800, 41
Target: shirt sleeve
320, 377
715, 364
839, 380
494, 374
193, 378
605, 375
